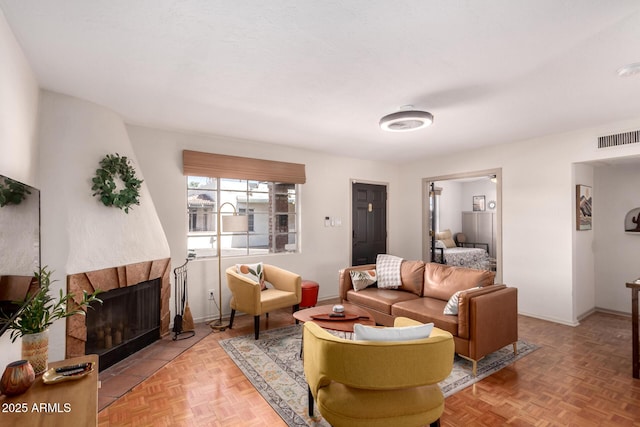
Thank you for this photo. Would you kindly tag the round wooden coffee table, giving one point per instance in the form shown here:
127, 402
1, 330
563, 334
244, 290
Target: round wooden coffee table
353, 314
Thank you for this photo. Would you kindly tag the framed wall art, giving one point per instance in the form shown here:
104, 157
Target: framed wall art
584, 202
632, 221
478, 203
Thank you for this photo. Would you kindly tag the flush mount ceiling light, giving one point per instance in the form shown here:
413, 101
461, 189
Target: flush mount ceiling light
406, 120
629, 70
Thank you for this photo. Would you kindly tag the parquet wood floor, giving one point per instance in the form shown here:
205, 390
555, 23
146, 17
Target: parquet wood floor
579, 377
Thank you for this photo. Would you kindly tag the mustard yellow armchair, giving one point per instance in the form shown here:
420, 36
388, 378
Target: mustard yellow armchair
246, 295
375, 383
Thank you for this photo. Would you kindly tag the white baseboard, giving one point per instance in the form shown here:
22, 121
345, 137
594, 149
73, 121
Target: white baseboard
614, 312
551, 319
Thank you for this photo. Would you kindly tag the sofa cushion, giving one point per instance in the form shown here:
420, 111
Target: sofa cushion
388, 270
362, 279
344, 281
253, 272
442, 281
427, 310
401, 333
412, 276
451, 309
379, 299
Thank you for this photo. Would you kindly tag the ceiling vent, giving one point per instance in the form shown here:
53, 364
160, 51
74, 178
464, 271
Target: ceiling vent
619, 139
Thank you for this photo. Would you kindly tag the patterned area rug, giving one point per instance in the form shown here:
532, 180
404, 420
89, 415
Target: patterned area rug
274, 367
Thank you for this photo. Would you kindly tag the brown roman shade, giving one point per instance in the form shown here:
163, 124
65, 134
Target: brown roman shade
196, 163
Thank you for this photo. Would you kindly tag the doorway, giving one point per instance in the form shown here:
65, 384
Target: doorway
454, 203
368, 222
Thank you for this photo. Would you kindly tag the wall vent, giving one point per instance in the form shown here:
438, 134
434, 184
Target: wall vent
619, 139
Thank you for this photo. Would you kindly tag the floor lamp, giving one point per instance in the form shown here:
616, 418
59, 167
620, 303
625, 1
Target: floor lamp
230, 223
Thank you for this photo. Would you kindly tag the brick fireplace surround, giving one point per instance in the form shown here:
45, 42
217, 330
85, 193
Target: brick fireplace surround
113, 278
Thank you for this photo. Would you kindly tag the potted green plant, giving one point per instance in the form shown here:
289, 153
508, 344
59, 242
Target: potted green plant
12, 192
37, 312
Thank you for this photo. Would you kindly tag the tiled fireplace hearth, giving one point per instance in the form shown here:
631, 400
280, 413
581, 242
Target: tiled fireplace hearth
114, 278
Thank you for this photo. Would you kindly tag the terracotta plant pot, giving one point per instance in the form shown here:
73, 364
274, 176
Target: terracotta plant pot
17, 378
35, 349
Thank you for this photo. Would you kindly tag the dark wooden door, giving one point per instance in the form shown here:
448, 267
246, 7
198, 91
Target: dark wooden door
369, 222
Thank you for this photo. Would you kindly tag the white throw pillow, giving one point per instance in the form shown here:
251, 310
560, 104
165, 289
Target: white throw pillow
402, 333
440, 244
362, 279
447, 238
254, 272
452, 305
388, 271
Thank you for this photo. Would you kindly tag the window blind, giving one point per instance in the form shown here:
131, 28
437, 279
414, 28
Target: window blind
197, 163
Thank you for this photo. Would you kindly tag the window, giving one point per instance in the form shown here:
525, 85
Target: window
250, 219
271, 209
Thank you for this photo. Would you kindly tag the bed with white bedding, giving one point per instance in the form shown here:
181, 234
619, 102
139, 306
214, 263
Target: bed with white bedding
477, 258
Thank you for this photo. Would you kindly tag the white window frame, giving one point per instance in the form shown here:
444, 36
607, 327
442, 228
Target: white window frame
244, 196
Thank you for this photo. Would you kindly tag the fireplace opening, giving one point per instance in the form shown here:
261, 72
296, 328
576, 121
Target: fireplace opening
127, 321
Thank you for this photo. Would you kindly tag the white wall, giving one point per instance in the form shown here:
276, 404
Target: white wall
450, 206
537, 210
18, 127
616, 192
481, 187
18, 111
457, 197
324, 250
584, 268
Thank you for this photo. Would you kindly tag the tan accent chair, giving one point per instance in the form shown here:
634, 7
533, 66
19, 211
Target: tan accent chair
248, 298
374, 383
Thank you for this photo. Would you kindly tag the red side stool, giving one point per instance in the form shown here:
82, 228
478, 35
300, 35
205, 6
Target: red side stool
309, 294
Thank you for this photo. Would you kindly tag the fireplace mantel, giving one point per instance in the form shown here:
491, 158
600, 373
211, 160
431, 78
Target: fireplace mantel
112, 278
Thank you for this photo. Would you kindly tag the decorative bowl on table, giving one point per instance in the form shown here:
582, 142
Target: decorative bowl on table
17, 378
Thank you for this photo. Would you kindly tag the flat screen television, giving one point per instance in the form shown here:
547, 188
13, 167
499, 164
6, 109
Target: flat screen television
19, 244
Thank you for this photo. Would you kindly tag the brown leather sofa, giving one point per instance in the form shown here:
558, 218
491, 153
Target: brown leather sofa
487, 318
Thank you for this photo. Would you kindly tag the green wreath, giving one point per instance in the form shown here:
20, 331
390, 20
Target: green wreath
104, 185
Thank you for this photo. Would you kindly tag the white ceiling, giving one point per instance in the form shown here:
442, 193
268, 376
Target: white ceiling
320, 74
